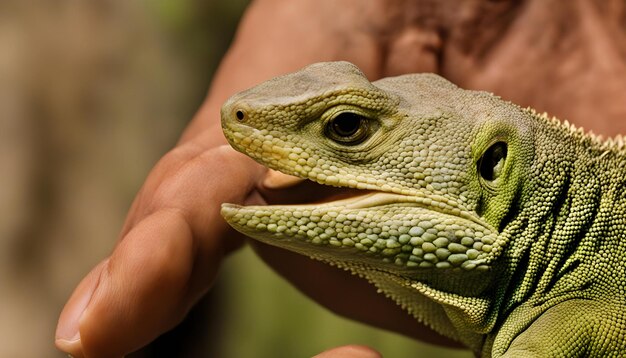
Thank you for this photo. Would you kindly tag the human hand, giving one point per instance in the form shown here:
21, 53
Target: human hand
168, 255
170, 250
174, 239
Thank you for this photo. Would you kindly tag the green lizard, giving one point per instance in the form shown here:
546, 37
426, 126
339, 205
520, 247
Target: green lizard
493, 225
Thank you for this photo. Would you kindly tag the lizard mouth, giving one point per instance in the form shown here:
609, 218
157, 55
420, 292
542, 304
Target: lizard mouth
361, 224
283, 189
407, 232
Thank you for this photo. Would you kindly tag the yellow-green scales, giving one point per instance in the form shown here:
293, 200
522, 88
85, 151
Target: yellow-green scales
494, 225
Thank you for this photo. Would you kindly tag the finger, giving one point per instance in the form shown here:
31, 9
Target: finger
67, 337
114, 293
162, 265
350, 351
144, 288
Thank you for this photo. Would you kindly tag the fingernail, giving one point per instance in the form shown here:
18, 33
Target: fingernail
68, 335
68, 327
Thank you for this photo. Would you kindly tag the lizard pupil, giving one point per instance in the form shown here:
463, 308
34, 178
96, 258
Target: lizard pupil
348, 128
346, 124
492, 162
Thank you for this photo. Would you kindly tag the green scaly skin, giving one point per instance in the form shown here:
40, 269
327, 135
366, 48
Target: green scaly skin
514, 252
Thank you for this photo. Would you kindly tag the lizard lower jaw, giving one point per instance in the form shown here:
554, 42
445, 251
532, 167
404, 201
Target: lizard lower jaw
365, 199
390, 231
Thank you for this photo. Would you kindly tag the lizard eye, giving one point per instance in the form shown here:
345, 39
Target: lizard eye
347, 128
491, 164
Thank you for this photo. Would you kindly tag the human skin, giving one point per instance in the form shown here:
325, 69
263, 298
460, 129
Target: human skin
568, 58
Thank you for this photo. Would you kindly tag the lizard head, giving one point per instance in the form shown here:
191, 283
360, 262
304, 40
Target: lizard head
439, 167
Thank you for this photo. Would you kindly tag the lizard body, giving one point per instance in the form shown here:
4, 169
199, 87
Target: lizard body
493, 225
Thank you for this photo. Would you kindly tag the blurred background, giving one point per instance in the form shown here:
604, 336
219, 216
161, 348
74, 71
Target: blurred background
92, 93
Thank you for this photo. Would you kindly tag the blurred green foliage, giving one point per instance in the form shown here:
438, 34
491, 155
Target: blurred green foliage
202, 30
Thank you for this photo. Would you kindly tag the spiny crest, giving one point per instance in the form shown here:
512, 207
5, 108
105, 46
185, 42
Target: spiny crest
617, 143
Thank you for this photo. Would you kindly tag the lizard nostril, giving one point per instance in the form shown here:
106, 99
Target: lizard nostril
240, 115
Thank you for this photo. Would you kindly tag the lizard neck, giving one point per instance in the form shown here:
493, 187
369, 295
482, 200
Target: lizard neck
565, 239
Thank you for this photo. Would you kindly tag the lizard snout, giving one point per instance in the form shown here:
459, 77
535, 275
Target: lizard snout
235, 110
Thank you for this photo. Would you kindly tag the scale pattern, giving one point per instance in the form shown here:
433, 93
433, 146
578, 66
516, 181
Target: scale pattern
494, 225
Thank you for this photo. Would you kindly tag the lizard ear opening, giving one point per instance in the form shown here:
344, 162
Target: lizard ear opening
491, 164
